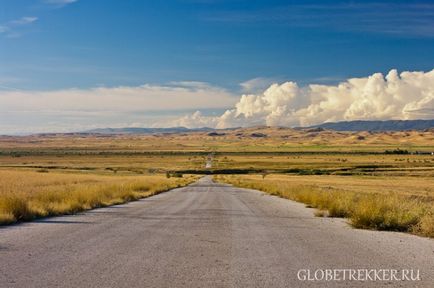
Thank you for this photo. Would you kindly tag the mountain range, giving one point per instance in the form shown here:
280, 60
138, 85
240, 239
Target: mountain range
359, 125
389, 125
135, 130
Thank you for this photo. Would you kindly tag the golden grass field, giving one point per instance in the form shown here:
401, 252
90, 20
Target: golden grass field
26, 195
345, 174
373, 202
338, 163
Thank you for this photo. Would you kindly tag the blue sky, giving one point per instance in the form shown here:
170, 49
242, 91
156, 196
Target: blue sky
51, 45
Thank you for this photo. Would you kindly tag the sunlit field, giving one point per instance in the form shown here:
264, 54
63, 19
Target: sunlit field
26, 195
373, 202
379, 181
105, 164
257, 139
330, 163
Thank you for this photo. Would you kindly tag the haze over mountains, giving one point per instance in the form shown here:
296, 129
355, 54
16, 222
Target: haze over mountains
359, 125
136, 130
267, 137
389, 125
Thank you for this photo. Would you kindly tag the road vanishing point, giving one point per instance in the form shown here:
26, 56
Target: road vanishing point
203, 235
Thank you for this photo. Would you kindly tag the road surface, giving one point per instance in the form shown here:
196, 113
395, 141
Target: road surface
203, 235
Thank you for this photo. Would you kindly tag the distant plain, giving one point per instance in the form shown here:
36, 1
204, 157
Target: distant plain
388, 165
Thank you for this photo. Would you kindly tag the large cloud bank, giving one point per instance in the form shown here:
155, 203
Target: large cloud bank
24, 111
177, 95
409, 95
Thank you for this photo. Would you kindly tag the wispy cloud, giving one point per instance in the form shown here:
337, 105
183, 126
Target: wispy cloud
256, 85
24, 21
401, 19
6, 82
11, 28
59, 3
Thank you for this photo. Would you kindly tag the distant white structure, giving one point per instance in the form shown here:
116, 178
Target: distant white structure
209, 161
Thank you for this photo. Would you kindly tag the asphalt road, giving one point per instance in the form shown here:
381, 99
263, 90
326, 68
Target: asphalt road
203, 235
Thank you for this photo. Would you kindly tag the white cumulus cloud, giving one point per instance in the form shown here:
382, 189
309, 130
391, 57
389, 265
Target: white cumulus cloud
409, 95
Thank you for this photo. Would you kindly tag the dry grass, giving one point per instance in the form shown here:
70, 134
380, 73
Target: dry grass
105, 170
126, 164
378, 164
380, 210
25, 195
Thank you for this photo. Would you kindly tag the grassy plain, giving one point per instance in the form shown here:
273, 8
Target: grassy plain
374, 202
26, 195
346, 174
330, 163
